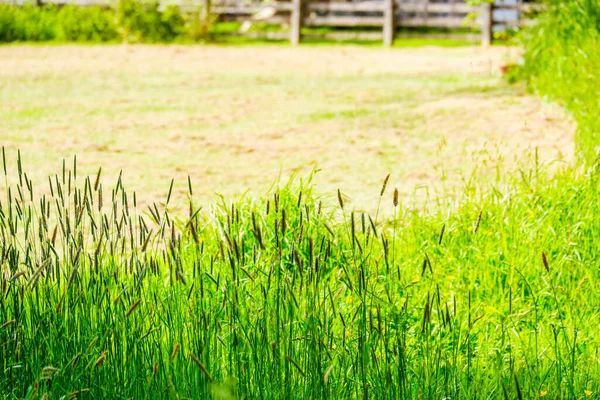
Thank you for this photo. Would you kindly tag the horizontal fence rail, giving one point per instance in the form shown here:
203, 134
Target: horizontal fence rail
387, 14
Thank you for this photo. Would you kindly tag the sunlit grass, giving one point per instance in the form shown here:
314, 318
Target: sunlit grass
297, 297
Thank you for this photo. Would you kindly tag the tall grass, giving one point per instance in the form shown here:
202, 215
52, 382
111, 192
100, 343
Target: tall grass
562, 62
301, 297
295, 297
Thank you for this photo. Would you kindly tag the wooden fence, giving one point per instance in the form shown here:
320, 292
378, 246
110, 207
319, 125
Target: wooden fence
386, 14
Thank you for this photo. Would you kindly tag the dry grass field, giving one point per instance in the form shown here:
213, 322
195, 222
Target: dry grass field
236, 118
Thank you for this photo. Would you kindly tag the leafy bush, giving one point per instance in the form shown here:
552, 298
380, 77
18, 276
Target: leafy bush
94, 24
562, 61
27, 23
132, 20
49, 22
145, 22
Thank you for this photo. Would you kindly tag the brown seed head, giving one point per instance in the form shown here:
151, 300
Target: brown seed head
100, 360
545, 261
385, 181
340, 199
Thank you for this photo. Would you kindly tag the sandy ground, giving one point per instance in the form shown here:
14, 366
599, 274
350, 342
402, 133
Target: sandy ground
237, 118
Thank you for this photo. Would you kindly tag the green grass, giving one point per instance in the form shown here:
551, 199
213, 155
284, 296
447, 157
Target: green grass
295, 296
494, 295
562, 62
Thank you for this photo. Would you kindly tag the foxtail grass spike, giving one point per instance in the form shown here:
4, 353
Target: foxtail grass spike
385, 182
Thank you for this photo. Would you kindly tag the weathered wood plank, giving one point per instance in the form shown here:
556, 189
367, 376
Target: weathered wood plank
341, 20
347, 7
436, 22
524, 7
456, 8
250, 8
441, 8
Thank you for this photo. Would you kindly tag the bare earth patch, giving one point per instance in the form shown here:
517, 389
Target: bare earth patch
234, 118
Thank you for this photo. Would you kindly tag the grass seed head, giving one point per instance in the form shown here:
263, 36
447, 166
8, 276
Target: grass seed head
175, 351
545, 261
201, 366
133, 307
7, 324
100, 360
385, 181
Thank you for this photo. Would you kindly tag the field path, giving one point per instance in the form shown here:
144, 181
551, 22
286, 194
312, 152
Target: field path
234, 117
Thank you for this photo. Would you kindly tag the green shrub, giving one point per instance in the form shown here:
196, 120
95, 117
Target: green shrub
146, 22
132, 20
37, 24
27, 23
8, 26
6, 21
562, 61
95, 24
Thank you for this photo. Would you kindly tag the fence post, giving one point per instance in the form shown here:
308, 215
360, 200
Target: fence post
205, 16
487, 10
296, 22
389, 22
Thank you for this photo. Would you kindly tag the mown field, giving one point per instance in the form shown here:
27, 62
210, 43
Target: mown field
136, 287
235, 118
